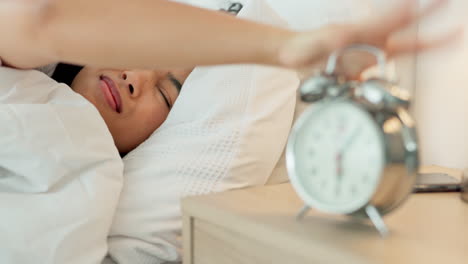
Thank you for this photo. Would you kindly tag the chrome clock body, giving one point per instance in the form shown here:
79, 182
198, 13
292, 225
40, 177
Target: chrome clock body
355, 151
392, 147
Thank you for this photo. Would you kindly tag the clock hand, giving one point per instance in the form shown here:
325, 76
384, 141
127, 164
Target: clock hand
350, 139
339, 156
339, 171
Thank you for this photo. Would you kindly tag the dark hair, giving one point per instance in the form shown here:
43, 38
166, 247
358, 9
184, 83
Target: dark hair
66, 73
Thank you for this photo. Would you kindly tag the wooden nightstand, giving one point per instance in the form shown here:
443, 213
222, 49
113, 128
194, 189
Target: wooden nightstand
258, 225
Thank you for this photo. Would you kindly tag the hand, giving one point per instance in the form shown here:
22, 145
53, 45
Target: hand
19, 23
312, 48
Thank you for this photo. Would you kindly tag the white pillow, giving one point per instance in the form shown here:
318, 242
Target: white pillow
227, 130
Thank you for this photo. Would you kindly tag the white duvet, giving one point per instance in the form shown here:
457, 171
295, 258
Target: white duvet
60, 173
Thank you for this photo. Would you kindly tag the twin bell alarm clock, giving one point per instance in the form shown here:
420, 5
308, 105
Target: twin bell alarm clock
354, 151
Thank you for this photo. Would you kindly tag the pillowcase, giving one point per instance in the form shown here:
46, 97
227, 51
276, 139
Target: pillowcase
227, 130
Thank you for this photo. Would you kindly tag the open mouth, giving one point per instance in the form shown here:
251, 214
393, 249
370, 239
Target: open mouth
111, 93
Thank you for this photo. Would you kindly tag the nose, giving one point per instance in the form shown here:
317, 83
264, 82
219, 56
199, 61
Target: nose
136, 82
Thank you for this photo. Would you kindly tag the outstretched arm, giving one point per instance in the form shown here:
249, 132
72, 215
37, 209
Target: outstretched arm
135, 34
160, 33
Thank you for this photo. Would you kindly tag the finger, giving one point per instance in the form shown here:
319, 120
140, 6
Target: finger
352, 64
412, 44
434, 6
403, 15
395, 18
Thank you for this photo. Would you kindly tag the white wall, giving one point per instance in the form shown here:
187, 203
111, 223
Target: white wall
442, 93
309, 14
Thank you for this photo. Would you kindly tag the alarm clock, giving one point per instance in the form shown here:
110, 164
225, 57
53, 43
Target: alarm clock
354, 151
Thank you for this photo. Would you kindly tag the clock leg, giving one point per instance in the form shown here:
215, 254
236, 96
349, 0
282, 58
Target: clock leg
377, 220
302, 212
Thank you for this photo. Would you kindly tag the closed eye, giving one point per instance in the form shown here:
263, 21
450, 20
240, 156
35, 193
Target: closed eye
164, 97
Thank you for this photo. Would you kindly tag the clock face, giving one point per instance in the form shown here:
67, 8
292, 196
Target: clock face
335, 157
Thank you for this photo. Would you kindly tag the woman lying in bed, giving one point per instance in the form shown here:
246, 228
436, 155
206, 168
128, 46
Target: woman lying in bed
107, 35
59, 194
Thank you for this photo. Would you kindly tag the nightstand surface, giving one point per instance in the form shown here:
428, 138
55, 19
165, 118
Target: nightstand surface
258, 225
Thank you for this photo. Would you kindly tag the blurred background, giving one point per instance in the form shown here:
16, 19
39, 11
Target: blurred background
437, 79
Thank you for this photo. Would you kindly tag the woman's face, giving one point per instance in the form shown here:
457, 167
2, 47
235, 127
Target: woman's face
133, 103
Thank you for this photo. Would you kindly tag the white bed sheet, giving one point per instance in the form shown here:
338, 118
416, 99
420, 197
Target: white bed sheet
60, 173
